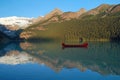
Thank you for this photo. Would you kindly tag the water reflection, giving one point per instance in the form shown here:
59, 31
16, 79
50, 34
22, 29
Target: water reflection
4, 48
102, 58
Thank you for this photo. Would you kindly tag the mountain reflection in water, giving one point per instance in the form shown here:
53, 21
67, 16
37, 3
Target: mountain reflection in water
102, 58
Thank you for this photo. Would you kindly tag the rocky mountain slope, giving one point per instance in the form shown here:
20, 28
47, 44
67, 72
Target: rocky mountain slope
100, 23
100, 9
83, 23
103, 10
114, 10
7, 34
58, 16
72, 15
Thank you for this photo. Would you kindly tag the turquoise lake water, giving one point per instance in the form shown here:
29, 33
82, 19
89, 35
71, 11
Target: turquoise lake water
48, 61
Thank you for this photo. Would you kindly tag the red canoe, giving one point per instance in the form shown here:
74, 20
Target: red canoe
79, 45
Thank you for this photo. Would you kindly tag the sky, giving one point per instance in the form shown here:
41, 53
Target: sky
36, 8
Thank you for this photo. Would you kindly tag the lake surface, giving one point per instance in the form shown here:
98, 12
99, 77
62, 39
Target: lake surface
49, 61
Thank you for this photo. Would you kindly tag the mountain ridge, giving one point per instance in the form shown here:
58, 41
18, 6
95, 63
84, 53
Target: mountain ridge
92, 20
58, 16
74, 20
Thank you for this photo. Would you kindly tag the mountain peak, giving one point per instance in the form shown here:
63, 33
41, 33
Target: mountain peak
103, 7
56, 11
82, 10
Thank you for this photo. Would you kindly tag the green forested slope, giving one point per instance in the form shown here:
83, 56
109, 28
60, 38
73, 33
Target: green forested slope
103, 26
107, 28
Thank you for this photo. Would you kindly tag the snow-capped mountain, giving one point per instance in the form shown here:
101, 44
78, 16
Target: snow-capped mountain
17, 22
11, 26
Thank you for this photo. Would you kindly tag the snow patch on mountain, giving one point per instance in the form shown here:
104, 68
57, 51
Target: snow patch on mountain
14, 21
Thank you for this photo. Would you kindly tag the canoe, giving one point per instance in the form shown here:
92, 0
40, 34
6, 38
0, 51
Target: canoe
85, 45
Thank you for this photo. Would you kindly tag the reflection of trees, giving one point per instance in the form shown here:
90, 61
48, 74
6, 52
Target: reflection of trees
99, 57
